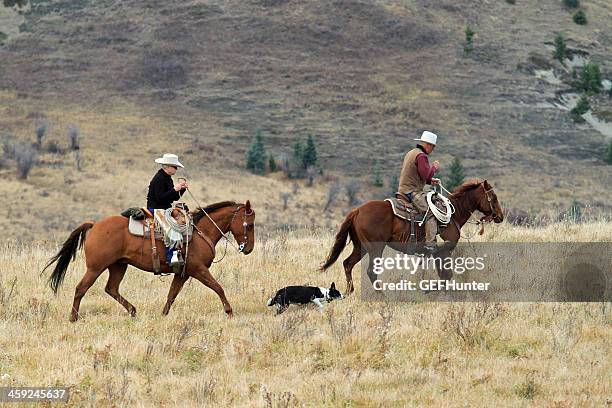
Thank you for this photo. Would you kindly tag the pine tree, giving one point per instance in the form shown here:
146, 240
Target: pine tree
457, 174
272, 164
608, 156
256, 156
571, 3
560, 47
393, 184
310, 153
580, 109
580, 18
469, 35
377, 179
590, 78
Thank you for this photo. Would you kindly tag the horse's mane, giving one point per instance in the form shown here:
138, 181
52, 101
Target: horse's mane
465, 187
199, 212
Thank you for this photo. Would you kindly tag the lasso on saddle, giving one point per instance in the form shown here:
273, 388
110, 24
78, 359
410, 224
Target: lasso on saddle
406, 210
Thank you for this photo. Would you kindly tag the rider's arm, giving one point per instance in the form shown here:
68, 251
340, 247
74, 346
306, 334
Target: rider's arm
425, 170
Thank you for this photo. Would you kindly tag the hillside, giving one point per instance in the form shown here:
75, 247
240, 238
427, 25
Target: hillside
201, 77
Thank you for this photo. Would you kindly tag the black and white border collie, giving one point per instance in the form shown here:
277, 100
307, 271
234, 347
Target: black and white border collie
303, 295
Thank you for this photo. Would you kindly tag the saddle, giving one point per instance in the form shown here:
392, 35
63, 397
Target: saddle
404, 209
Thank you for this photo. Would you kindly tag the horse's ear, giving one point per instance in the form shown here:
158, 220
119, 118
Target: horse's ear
248, 206
486, 184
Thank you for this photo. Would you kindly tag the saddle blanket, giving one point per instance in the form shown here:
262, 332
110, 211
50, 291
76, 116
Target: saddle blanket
141, 228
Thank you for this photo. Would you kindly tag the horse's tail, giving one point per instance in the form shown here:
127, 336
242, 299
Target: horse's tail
68, 252
346, 229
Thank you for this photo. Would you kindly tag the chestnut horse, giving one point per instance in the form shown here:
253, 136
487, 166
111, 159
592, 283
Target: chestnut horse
372, 226
109, 245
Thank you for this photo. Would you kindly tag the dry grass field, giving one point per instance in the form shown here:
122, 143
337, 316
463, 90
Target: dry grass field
354, 353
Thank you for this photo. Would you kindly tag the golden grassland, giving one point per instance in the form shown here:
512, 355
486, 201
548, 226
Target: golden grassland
354, 353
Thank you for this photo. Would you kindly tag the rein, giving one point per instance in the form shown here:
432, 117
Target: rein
481, 222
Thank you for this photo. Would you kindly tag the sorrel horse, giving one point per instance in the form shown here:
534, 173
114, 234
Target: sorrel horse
372, 226
109, 245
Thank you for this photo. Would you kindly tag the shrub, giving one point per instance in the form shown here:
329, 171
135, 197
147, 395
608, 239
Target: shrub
575, 211
256, 156
74, 137
41, 131
580, 109
511, 1
590, 78
25, 157
3, 38
580, 18
164, 69
571, 3
332, 193
352, 190
54, 147
560, 48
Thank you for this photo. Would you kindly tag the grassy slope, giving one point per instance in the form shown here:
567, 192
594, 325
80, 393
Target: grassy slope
364, 78
356, 353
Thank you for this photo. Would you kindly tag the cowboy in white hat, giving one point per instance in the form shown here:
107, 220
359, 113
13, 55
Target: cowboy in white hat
162, 191
416, 172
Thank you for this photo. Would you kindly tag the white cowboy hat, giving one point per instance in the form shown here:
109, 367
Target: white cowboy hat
169, 159
428, 137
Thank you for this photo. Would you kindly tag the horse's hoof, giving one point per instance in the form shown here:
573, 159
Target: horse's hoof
230, 314
73, 319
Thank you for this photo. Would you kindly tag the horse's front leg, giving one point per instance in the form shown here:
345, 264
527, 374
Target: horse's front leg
203, 275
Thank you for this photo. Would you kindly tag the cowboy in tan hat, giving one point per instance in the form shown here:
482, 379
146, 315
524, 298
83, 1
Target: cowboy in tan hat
162, 192
416, 172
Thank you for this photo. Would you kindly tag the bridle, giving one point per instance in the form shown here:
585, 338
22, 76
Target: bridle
241, 245
486, 219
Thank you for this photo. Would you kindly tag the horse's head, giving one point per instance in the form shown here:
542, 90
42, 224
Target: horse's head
487, 202
243, 227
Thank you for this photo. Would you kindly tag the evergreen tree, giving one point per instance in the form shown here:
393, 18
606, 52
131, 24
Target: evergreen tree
560, 47
457, 174
393, 184
256, 156
580, 109
377, 179
590, 78
580, 18
310, 153
608, 156
469, 35
272, 164
571, 3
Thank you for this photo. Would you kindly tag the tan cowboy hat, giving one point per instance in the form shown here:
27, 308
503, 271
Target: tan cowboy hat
170, 160
428, 137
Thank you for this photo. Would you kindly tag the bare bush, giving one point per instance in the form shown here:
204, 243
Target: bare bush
25, 157
285, 197
164, 69
311, 173
54, 147
470, 322
352, 191
74, 137
332, 193
41, 131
